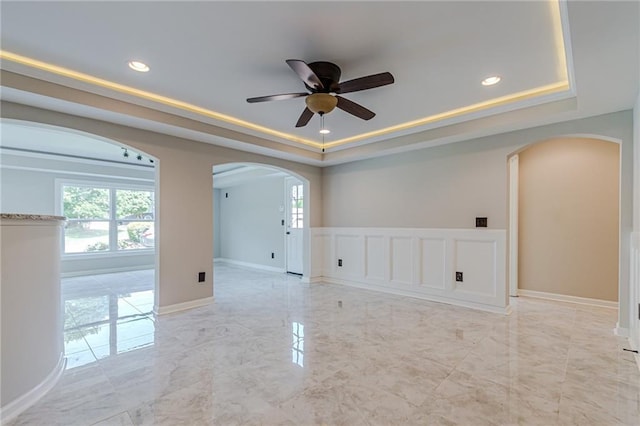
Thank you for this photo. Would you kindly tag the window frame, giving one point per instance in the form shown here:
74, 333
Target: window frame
112, 187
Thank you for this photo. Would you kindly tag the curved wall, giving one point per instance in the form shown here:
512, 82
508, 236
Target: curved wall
32, 346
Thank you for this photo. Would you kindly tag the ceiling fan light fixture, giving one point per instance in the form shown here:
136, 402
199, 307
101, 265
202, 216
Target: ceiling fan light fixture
321, 103
490, 81
139, 66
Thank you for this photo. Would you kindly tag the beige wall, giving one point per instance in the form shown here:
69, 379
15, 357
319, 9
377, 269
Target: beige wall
448, 186
396, 191
568, 218
184, 192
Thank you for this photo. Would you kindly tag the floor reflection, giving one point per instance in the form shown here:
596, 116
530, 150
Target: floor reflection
297, 350
106, 315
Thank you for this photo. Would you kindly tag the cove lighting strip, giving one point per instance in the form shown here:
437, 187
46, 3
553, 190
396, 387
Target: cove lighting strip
560, 86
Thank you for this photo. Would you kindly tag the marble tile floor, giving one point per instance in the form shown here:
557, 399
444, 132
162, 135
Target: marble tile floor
271, 350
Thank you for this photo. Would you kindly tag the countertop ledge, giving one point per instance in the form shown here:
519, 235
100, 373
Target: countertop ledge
18, 216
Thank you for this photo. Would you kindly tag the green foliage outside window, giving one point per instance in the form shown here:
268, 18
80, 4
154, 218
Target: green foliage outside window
130, 203
86, 203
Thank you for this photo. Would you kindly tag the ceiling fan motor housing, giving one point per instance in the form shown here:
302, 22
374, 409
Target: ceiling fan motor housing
329, 75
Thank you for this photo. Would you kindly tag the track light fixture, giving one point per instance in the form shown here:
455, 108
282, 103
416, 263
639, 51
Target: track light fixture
126, 154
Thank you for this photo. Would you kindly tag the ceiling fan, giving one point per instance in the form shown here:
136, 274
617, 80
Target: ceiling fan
322, 79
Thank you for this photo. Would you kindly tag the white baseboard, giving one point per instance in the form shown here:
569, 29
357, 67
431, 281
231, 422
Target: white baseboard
20, 404
249, 265
621, 331
400, 292
106, 271
569, 299
163, 310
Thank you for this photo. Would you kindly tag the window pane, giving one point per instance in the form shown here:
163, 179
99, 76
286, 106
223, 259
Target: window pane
82, 202
134, 204
83, 237
135, 235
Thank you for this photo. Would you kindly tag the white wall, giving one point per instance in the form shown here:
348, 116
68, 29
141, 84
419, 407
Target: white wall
28, 185
250, 223
448, 186
216, 224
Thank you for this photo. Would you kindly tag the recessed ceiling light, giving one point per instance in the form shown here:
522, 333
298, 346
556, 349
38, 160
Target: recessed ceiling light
490, 81
138, 66
325, 131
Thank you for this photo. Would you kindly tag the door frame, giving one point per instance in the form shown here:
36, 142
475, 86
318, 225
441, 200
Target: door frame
288, 182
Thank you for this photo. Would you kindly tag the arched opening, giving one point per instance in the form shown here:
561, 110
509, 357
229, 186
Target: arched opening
261, 217
106, 190
564, 220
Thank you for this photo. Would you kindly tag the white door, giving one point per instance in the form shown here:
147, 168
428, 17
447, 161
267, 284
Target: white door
295, 223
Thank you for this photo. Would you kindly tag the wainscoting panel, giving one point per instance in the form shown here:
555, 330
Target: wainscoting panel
433, 253
477, 262
349, 251
416, 262
375, 258
402, 261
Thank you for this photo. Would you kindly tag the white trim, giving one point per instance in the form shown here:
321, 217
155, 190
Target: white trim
514, 179
400, 292
26, 400
621, 331
249, 265
74, 173
71, 257
177, 307
570, 299
74, 159
106, 271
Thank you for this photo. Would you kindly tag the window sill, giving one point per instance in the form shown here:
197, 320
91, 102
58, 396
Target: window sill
80, 256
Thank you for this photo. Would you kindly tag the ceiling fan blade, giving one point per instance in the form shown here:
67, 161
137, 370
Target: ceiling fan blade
304, 117
305, 73
364, 83
276, 97
354, 108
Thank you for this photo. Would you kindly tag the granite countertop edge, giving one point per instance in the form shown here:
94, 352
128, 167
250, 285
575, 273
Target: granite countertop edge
21, 216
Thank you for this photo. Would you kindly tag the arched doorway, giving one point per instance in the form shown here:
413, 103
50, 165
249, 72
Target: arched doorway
261, 217
564, 220
107, 192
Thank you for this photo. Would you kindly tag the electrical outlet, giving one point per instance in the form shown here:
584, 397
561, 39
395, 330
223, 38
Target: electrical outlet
201, 277
340, 262
481, 222
459, 277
